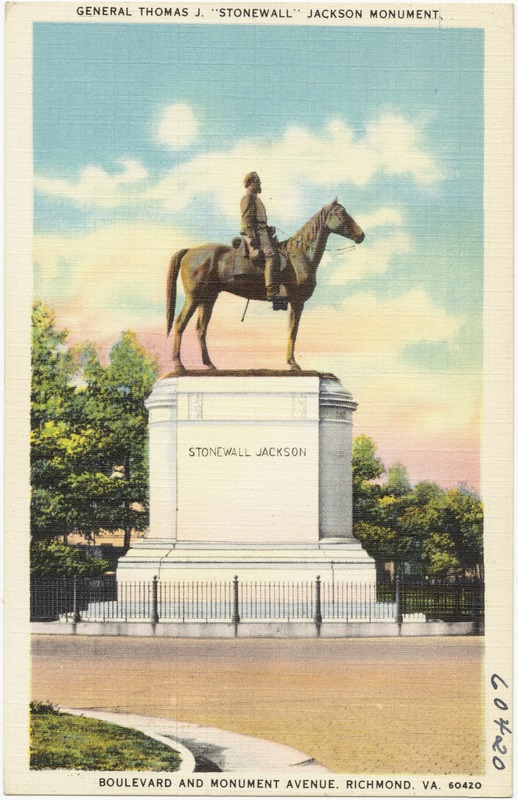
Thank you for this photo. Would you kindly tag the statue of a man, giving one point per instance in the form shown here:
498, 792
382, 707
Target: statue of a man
254, 225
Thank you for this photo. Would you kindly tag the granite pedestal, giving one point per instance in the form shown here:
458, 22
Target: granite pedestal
250, 474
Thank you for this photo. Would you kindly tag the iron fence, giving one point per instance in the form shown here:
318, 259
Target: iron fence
106, 599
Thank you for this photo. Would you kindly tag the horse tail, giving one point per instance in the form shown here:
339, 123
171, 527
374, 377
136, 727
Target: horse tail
172, 277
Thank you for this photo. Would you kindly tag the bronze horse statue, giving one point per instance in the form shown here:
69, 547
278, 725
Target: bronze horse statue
210, 269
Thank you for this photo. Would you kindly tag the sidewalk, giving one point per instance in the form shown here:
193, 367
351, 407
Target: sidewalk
213, 749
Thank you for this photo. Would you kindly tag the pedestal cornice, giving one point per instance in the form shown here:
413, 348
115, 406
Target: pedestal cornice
249, 373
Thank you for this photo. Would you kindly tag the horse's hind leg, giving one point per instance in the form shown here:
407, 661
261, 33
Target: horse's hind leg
180, 324
204, 315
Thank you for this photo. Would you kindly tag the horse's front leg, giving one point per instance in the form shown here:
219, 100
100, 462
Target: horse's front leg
204, 315
180, 324
295, 314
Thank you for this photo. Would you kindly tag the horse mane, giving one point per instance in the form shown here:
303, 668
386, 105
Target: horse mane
305, 235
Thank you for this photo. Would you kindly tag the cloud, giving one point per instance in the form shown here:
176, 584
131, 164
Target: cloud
381, 218
107, 280
369, 259
365, 324
96, 187
177, 127
299, 159
397, 144
362, 326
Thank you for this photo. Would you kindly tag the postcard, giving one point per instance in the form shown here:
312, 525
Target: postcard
259, 399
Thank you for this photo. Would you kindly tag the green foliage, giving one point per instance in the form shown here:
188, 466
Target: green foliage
366, 465
379, 541
37, 707
88, 434
397, 483
438, 554
51, 397
51, 560
456, 537
112, 403
427, 525
52, 368
63, 741
366, 468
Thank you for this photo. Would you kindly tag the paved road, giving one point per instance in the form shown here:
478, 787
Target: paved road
355, 705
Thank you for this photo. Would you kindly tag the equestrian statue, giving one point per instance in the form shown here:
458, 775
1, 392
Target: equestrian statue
255, 266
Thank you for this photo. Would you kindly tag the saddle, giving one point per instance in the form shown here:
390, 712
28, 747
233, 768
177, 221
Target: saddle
244, 245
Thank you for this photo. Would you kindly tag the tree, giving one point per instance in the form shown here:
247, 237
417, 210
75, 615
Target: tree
397, 483
380, 541
88, 434
51, 560
366, 469
419, 510
64, 444
389, 533
52, 368
113, 402
365, 463
51, 434
457, 541
427, 525
377, 506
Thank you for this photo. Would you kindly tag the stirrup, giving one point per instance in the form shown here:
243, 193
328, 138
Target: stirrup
279, 303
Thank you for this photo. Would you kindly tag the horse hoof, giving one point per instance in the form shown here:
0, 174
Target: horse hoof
178, 367
210, 365
295, 367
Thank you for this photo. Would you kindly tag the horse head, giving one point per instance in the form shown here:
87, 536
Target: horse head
340, 222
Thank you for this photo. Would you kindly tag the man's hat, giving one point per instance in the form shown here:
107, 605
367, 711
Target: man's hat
250, 178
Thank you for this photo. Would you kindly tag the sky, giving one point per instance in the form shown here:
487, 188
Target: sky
142, 136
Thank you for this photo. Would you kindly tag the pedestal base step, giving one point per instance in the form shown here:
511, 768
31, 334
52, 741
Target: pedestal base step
346, 561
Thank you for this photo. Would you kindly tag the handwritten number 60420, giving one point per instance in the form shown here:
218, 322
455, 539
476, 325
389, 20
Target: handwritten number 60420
502, 724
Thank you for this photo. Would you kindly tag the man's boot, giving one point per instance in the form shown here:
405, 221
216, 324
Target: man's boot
271, 279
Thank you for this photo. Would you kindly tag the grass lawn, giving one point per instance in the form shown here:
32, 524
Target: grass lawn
63, 741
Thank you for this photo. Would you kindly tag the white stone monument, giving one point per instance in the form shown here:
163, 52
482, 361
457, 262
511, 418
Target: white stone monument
250, 474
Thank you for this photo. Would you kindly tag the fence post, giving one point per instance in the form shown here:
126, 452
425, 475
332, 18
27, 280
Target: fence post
154, 601
76, 615
236, 619
318, 604
399, 596
477, 606
457, 597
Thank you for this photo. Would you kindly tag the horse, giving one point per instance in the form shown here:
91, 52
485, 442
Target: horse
209, 269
